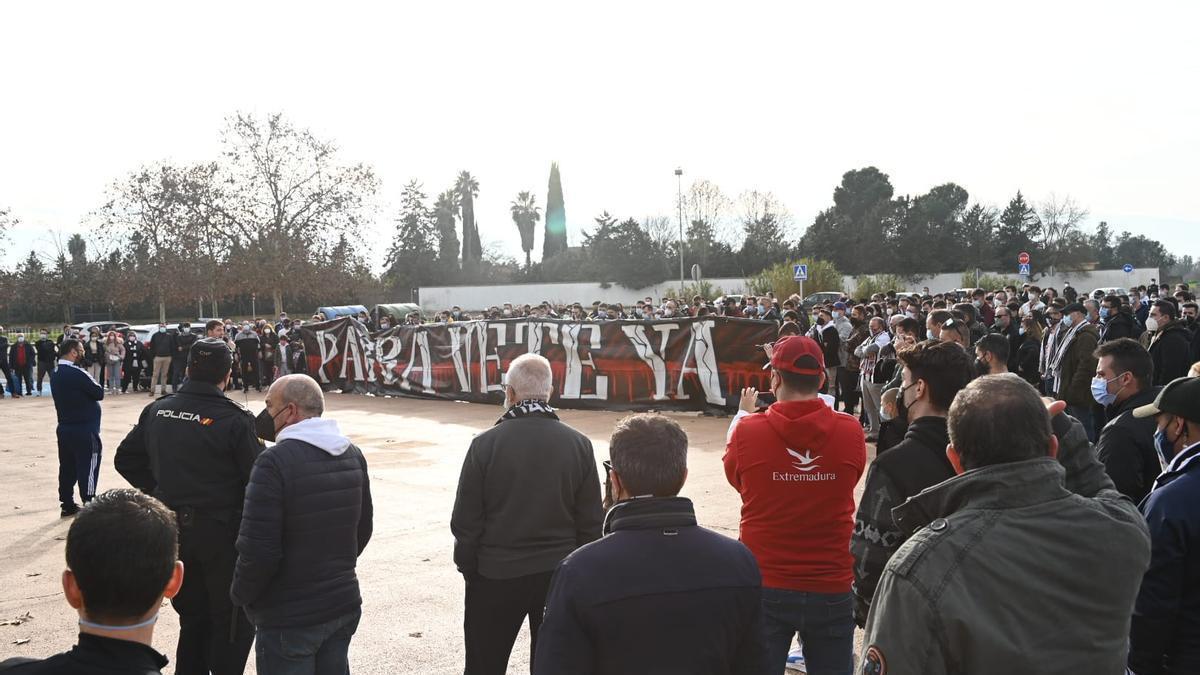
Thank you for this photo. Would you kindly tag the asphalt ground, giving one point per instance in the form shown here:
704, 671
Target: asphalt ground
412, 594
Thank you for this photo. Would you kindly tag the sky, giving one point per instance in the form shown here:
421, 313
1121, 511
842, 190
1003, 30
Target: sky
1095, 101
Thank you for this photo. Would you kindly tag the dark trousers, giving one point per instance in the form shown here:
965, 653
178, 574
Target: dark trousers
848, 383
78, 462
250, 376
824, 623
495, 610
323, 649
8, 379
213, 634
44, 370
132, 375
22, 374
178, 368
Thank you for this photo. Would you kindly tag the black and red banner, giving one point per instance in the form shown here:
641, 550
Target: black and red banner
686, 364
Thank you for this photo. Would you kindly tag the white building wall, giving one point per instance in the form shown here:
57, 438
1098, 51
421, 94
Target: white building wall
473, 298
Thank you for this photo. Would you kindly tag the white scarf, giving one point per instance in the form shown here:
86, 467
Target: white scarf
1054, 367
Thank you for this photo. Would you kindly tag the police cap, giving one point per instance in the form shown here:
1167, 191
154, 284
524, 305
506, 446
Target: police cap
209, 360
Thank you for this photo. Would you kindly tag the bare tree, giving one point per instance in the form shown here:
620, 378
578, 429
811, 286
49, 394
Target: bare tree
663, 231
755, 207
705, 202
1060, 238
289, 201
144, 218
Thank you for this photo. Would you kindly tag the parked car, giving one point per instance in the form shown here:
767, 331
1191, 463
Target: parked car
822, 298
104, 326
1107, 290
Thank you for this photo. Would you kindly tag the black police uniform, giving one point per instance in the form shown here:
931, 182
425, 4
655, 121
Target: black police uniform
193, 450
183, 345
94, 655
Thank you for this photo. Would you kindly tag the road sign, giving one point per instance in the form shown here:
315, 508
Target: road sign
1023, 270
1023, 258
800, 272
1128, 268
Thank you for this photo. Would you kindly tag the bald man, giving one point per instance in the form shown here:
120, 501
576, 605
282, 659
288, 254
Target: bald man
301, 590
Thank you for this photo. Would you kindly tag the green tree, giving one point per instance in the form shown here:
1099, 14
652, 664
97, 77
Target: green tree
1019, 227
445, 211
623, 252
468, 189
412, 254
1141, 251
851, 234
979, 237
555, 239
764, 221
1100, 243
526, 214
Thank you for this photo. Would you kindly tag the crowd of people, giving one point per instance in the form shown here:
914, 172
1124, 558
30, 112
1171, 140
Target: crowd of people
1031, 505
121, 362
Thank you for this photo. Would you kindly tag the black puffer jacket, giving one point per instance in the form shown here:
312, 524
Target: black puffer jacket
307, 517
1126, 447
1171, 350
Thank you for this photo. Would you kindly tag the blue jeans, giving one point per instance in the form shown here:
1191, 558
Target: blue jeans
1084, 415
312, 650
824, 623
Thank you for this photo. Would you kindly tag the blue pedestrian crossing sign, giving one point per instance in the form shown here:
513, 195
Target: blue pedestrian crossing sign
1023, 269
1128, 268
800, 272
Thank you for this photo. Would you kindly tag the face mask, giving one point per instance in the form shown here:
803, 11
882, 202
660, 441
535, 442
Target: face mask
44, 336
838, 315
384, 326
982, 367
902, 406
1163, 446
911, 315
508, 312
1100, 391
856, 322
1067, 321
929, 335
761, 310
1152, 324
977, 303
1103, 312
264, 425
21, 338
1021, 330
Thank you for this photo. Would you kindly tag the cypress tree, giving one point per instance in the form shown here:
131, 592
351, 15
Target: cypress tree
555, 241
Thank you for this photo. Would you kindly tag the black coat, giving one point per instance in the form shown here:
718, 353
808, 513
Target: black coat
1165, 631
162, 343
192, 448
16, 348
658, 594
914, 464
528, 495
1126, 447
308, 516
1171, 351
94, 655
46, 350
1122, 325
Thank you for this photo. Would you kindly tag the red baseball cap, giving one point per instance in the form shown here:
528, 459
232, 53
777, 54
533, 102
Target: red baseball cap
787, 350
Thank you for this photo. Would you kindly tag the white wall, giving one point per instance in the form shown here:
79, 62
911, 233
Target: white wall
473, 298
1082, 281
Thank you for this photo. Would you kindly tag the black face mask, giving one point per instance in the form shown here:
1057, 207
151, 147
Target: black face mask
264, 425
981, 367
902, 407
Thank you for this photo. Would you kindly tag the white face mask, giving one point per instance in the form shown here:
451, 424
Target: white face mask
1152, 324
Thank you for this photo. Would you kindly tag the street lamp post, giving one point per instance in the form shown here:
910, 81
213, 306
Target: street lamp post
679, 195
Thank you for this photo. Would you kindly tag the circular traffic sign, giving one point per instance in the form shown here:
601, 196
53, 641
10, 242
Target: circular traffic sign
1023, 258
1128, 268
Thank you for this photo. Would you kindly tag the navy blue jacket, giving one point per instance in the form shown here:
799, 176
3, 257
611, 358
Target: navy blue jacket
657, 594
1165, 633
76, 396
307, 517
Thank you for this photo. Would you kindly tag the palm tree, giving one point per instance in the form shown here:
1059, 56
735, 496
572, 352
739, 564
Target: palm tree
526, 214
468, 189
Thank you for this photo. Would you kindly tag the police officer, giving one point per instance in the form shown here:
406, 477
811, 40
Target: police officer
193, 450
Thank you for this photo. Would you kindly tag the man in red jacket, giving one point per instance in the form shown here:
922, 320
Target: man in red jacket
796, 465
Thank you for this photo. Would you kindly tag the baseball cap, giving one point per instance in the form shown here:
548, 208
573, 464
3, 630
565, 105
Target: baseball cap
840, 305
787, 350
1180, 397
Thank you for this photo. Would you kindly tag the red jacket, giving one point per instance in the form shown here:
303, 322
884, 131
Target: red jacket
796, 466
